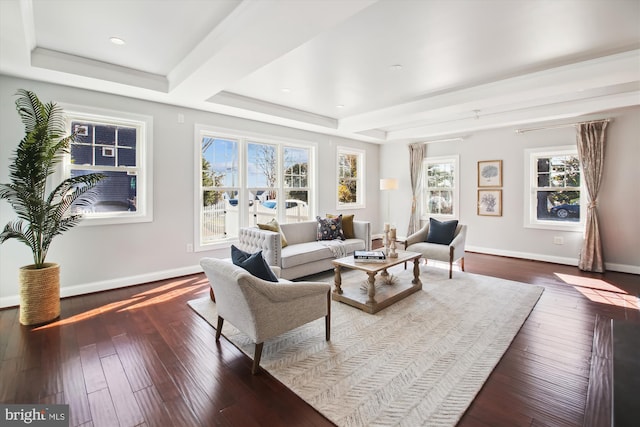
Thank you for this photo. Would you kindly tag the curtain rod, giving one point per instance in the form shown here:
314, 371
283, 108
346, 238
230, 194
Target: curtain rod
566, 125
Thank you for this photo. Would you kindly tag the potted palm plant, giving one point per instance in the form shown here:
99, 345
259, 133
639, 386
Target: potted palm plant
41, 216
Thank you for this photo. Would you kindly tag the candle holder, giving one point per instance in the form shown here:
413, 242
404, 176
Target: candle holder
386, 242
392, 248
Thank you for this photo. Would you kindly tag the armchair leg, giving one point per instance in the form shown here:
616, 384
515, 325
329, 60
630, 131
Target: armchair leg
212, 295
256, 358
219, 328
327, 318
450, 262
462, 263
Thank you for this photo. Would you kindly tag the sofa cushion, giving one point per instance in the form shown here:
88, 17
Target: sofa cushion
304, 253
330, 228
441, 232
274, 226
253, 263
347, 225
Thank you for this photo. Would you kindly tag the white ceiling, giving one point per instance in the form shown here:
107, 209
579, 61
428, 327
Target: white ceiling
328, 65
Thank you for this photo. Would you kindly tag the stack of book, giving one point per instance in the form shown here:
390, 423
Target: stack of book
369, 256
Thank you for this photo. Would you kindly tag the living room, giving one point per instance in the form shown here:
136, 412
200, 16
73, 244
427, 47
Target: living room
164, 245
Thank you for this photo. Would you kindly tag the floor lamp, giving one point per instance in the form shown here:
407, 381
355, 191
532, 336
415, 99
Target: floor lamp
388, 184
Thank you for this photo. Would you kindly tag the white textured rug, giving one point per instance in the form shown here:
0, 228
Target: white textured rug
418, 362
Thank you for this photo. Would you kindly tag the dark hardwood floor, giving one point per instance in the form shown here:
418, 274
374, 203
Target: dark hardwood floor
141, 356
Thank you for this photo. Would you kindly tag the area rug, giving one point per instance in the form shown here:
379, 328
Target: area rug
420, 361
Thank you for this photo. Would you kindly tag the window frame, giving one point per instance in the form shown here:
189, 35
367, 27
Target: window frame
143, 168
360, 202
245, 212
452, 159
531, 156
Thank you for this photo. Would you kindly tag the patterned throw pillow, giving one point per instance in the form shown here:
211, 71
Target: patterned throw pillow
347, 225
330, 228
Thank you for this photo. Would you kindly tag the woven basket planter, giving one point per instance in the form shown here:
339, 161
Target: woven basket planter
39, 294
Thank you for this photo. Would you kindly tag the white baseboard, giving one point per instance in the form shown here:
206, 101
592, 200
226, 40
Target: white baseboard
622, 268
105, 285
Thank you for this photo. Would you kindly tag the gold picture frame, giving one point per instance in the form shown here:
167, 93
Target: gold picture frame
490, 202
490, 173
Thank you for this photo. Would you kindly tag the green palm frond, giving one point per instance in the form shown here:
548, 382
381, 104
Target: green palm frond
41, 217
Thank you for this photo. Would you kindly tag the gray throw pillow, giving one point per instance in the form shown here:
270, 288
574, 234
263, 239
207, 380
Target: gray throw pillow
253, 263
441, 232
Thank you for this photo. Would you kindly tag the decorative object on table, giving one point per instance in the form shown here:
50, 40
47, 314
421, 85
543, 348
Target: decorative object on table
385, 239
490, 173
392, 245
490, 202
369, 256
41, 216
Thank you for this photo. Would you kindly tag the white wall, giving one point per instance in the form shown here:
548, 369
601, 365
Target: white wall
619, 201
95, 258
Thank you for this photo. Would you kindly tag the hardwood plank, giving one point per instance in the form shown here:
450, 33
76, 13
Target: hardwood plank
152, 407
92, 369
133, 364
124, 402
103, 413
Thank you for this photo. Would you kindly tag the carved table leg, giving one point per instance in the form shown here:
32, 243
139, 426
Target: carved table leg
372, 287
416, 271
337, 279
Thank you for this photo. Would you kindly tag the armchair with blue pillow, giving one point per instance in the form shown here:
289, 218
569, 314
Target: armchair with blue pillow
249, 294
441, 241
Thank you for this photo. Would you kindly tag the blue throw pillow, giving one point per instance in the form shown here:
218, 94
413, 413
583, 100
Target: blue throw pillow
253, 263
441, 232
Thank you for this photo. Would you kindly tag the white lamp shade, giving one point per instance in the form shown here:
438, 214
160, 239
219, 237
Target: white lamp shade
389, 184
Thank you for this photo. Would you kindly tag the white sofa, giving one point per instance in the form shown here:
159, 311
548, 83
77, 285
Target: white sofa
303, 255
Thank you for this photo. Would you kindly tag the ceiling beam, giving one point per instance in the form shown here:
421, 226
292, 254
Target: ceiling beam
253, 35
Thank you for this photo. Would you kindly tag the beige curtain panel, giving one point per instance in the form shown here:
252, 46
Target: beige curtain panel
591, 139
417, 153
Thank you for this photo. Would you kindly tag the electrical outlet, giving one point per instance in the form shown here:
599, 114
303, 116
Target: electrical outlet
558, 240
189, 247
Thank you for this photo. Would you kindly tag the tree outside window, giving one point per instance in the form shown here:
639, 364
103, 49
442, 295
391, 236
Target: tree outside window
350, 178
241, 182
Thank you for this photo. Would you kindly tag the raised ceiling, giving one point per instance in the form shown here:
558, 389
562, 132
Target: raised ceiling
379, 71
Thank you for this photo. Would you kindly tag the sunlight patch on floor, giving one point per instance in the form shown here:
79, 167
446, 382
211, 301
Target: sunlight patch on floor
597, 290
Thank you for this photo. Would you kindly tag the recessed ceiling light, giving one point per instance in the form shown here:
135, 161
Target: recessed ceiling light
339, 106
286, 90
117, 41
396, 67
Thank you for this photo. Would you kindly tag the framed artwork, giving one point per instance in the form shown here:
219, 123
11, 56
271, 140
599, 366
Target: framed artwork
490, 202
490, 173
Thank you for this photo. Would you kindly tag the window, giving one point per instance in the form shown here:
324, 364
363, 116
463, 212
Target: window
554, 188
440, 187
244, 181
115, 145
350, 178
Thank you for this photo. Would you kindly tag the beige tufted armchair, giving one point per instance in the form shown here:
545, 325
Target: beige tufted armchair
262, 309
448, 253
